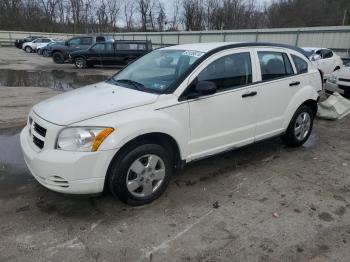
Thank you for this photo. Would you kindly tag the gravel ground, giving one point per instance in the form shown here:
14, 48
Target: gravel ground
264, 202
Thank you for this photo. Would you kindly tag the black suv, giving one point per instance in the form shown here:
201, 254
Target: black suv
20, 42
61, 52
110, 53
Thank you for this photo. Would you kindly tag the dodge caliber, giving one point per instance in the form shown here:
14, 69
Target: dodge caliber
168, 108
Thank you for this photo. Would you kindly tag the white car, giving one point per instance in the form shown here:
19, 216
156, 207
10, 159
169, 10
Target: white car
339, 81
168, 108
325, 59
35, 44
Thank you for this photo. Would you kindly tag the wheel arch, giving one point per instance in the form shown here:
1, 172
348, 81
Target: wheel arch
306, 96
159, 138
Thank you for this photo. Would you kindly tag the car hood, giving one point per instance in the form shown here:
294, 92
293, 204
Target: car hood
91, 101
344, 72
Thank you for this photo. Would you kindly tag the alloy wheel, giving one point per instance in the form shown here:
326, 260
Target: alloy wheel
302, 126
145, 175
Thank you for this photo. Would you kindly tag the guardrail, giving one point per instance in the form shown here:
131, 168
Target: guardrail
335, 37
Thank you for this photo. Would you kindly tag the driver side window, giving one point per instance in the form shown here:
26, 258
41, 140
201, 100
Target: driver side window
231, 71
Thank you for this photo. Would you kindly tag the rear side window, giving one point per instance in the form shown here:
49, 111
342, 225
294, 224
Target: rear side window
230, 71
300, 64
131, 46
46, 40
274, 65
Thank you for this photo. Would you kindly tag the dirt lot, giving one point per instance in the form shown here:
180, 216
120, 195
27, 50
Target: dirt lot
264, 202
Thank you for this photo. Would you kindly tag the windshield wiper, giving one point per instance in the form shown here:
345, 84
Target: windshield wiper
137, 85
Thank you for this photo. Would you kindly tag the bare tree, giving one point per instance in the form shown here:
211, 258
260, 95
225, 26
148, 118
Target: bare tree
143, 8
129, 10
113, 10
174, 23
193, 14
161, 19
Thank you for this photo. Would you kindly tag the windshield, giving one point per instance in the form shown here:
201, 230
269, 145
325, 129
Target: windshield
156, 71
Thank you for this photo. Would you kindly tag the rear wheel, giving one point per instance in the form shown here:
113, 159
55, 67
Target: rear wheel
58, 58
28, 49
140, 175
300, 127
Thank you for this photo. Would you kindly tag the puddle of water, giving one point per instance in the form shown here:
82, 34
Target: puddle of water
56, 79
11, 154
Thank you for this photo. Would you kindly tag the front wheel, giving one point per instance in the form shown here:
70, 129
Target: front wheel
58, 58
80, 62
45, 53
141, 174
300, 127
28, 49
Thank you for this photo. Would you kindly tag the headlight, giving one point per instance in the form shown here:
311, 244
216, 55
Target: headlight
333, 78
85, 139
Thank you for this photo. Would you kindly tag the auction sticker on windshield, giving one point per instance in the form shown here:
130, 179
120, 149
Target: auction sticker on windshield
193, 53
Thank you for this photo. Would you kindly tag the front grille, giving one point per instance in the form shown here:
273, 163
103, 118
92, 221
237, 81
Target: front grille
40, 130
344, 80
38, 142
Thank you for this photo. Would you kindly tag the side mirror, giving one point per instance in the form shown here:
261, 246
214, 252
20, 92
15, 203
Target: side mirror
205, 88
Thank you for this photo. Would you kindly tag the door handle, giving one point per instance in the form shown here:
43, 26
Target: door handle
253, 93
296, 83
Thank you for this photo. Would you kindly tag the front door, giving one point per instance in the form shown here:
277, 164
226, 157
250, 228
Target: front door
226, 119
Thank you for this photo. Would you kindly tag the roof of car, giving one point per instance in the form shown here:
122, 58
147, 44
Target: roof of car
217, 46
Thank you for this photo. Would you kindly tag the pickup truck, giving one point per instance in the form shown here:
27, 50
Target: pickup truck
61, 52
110, 53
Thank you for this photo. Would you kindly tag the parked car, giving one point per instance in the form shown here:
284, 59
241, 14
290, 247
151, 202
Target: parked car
30, 47
325, 59
110, 53
44, 50
172, 106
60, 53
339, 81
20, 42
47, 50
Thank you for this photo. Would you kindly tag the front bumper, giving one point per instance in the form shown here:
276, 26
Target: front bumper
64, 171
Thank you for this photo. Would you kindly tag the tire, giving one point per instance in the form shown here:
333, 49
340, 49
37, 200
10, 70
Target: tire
131, 166
39, 51
300, 127
28, 49
45, 53
58, 58
80, 62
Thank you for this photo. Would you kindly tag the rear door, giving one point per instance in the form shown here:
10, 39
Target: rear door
278, 86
